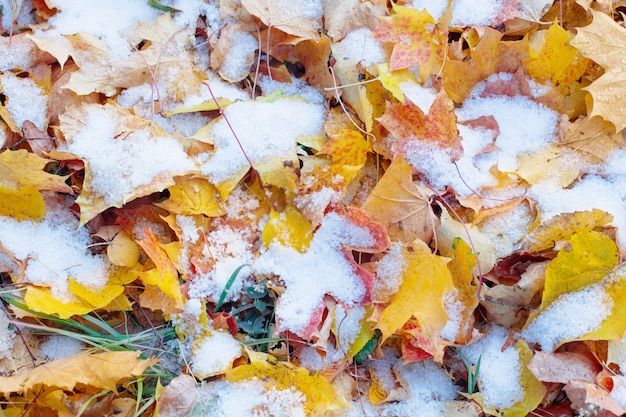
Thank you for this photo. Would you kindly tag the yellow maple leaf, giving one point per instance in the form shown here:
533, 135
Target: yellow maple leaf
41, 299
585, 265
401, 205
193, 195
123, 250
289, 228
102, 297
604, 41
563, 226
164, 276
392, 80
589, 258
557, 163
126, 158
97, 370
425, 279
24, 169
321, 396
461, 267
417, 38
24, 204
558, 61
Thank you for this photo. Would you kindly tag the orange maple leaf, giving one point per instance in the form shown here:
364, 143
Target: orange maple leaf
406, 121
417, 37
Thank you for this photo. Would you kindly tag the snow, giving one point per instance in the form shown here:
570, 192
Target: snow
249, 398
254, 123
322, 269
120, 165
226, 249
389, 273
464, 12
500, 370
109, 21
593, 191
512, 115
360, 46
7, 336
214, 354
571, 316
472, 171
454, 309
26, 100
424, 388
60, 347
297, 87
422, 97
60, 250
236, 65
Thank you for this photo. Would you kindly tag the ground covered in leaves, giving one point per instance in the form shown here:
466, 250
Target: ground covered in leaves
312, 207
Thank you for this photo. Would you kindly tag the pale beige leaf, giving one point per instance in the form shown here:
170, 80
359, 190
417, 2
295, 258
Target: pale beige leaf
281, 14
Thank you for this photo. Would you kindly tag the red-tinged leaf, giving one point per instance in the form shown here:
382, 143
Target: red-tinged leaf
414, 342
417, 38
406, 121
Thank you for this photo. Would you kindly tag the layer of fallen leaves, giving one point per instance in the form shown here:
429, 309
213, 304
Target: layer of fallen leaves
345, 193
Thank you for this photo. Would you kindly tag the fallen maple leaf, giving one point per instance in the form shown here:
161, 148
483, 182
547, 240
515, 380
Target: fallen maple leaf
321, 396
166, 56
193, 195
303, 22
125, 156
96, 370
289, 228
562, 227
25, 203
425, 281
417, 38
558, 61
24, 169
459, 77
164, 276
401, 205
602, 41
178, 398
594, 137
407, 122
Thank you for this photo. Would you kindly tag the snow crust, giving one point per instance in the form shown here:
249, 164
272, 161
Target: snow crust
55, 248
119, 165
571, 316
214, 354
255, 124
500, 370
322, 269
26, 100
250, 398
